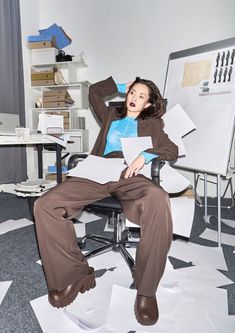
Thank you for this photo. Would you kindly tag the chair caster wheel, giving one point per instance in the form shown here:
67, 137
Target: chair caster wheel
82, 244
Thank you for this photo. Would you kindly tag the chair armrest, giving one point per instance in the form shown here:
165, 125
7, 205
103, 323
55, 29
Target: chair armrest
74, 159
156, 166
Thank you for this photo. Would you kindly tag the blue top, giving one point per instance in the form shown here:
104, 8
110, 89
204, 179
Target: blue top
123, 128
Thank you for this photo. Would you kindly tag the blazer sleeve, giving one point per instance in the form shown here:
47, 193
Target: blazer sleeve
97, 92
162, 145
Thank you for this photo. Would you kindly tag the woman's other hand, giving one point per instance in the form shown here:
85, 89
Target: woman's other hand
128, 84
135, 167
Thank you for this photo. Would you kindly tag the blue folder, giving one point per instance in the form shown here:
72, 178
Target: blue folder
62, 39
40, 38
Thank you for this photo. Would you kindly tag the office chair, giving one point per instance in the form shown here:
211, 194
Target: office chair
112, 207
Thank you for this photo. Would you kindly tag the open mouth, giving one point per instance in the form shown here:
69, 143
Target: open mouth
132, 104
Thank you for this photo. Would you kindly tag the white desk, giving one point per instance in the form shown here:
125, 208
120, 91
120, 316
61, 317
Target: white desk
39, 141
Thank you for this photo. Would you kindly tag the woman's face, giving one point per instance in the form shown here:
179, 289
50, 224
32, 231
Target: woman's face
137, 99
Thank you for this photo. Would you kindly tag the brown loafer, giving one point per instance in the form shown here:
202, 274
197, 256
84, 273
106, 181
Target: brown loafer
62, 298
146, 310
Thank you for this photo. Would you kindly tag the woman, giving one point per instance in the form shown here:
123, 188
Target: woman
66, 270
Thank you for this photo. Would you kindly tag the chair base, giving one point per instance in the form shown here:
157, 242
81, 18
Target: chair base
114, 244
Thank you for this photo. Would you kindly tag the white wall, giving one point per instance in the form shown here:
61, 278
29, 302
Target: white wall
128, 38
132, 38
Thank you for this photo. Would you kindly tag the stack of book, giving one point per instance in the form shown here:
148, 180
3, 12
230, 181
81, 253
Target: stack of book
57, 98
54, 98
42, 76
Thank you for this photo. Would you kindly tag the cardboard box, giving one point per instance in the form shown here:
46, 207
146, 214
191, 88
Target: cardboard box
43, 83
42, 76
53, 98
54, 104
55, 92
44, 55
40, 45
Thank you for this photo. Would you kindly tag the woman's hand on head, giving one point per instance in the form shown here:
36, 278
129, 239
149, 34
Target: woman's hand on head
135, 167
128, 84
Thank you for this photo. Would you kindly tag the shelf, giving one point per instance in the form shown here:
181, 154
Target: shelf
66, 63
67, 108
69, 85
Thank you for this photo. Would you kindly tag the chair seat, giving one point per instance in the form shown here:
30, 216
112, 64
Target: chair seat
109, 203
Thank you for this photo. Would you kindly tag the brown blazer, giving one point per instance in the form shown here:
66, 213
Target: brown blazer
153, 127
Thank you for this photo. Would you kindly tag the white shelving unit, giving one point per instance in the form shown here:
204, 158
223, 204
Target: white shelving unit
78, 90
74, 121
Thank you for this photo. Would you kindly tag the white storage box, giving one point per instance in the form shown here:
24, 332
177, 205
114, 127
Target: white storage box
44, 55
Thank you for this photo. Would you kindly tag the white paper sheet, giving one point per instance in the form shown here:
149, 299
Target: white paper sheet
99, 169
198, 254
88, 317
132, 147
86, 217
4, 286
176, 138
201, 276
222, 323
13, 224
230, 223
52, 320
182, 209
172, 181
189, 317
80, 229
210, 300
118, 310
177, 115
213, 236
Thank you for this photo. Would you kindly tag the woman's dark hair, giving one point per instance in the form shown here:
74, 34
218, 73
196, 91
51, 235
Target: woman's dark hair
157, 107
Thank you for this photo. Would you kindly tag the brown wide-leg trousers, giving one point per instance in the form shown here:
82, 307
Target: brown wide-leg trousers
143, 202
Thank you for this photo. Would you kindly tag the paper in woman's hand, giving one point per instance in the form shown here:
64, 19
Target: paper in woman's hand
132, 147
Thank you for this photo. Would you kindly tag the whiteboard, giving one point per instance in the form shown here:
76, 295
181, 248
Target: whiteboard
202, 81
